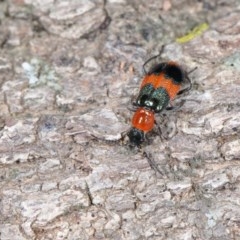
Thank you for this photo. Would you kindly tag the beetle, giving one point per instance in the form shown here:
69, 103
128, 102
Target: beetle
159, 87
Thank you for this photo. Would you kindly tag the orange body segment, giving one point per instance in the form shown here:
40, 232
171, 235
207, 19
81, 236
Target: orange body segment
161, 81
143, 119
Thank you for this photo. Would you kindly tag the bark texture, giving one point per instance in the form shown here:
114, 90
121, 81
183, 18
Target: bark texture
68, 69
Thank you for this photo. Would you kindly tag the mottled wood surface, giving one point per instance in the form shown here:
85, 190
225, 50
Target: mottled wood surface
69, 69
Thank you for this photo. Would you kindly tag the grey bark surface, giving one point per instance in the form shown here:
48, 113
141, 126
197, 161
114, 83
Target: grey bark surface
69, 69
